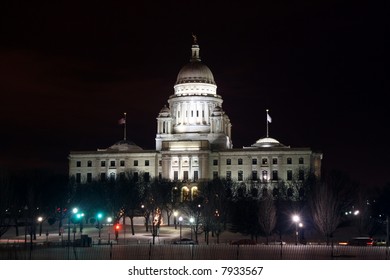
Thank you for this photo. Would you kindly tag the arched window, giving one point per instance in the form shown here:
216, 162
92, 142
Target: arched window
185, 194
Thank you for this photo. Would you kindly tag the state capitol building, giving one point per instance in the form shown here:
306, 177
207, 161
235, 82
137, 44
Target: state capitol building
194, 143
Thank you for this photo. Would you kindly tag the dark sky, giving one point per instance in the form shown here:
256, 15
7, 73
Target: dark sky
68, 71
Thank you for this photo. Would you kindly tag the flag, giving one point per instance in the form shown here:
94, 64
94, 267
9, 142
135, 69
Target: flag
122, 121
269, 118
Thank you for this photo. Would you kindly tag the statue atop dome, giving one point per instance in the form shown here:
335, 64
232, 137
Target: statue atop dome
195, 39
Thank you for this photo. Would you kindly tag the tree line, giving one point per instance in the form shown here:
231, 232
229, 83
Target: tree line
219, 205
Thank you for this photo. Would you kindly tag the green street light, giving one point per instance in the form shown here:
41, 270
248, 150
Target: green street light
99, 217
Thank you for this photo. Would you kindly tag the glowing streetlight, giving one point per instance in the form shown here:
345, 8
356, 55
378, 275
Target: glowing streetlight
175, 213
180, 220
40, 220
296, 220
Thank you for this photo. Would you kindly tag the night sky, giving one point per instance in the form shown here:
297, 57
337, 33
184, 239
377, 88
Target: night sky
68, 71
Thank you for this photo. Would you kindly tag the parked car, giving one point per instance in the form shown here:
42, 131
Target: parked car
361, 241
243, 242
379, 242
185, 241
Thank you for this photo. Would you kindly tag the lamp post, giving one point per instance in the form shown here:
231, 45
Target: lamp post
40, 220
74, 211
191, 222
180, 220
99, 217
296, 220
175, 213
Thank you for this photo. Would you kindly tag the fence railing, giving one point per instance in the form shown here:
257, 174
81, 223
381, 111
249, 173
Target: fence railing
61, 251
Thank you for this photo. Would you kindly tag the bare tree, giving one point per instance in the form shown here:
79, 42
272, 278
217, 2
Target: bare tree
267, 215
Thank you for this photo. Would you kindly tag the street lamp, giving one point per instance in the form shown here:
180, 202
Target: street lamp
74, 211
109, 221
191, 222
296, 220
180, 220
40, 220
99, 217
175, 213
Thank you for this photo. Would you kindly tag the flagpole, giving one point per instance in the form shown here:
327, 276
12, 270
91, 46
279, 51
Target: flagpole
266, 119
124, 128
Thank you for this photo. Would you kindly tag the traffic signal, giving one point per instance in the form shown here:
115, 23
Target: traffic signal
117, 227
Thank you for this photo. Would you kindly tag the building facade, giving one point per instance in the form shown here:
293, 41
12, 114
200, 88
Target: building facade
194, 143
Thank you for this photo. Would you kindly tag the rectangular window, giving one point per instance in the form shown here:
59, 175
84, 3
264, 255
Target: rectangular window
175, 175
301, 175
264, 175
136, 163
89, 177
185, 175
78, 178
228, 161
239, 161
215, 162
122, 163
103, 177
78, 163
274, 161
274, 175
112, 163
289, 160
103, 163
228, 175
215, 175
146, 162
301, 160
160, 163
89, 163
289, 175
240, 175
254, 175
197, 113
254, 161
196, 176
264, 161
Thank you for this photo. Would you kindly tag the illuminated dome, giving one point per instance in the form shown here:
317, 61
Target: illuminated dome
165, 112
267, 142
195, 71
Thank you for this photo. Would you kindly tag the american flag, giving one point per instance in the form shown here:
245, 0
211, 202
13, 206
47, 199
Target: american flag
122, 121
